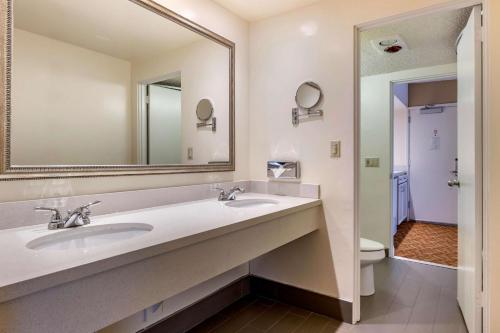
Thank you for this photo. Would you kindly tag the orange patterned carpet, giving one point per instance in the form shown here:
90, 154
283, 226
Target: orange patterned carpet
427, 242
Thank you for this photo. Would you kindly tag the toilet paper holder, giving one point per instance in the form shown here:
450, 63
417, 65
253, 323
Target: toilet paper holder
283, 169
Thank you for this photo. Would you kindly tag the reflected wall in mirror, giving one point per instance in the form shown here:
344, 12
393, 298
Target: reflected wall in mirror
90, 88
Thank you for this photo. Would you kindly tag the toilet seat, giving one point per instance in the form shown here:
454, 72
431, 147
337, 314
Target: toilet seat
368, 245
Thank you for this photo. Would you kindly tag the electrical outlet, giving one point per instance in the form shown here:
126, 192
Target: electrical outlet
334, 149
372, 162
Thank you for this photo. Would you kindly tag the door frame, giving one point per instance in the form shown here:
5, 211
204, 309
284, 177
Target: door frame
358, 28
408, 80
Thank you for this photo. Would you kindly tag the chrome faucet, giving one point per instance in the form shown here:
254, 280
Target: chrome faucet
229, 195
75, 218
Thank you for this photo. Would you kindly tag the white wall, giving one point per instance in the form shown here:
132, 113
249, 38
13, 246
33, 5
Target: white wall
432, 158
375, 190
314, 43
204, 70
52, 80
400, 122
401, 92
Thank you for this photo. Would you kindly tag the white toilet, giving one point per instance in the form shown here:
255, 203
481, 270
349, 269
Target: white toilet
372, 252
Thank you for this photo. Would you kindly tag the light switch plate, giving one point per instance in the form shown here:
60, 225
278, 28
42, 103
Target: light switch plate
372, 162
334, 149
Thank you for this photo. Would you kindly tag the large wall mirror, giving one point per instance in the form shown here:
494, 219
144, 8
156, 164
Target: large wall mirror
92, 87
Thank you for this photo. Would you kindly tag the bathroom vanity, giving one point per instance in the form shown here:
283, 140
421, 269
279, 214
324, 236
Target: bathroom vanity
122, 263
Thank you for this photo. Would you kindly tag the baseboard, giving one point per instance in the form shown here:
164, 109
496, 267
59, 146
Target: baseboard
312, 301
437, 223
189, 317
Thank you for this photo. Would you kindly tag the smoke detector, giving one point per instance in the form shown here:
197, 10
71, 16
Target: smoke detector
389, 44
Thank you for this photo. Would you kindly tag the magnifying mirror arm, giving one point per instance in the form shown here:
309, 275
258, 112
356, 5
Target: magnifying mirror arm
296, 115
213, 124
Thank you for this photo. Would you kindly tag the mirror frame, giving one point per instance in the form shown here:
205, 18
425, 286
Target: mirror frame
10, 172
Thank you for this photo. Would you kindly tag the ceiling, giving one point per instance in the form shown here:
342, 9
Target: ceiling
430, 40
254, 10
114, 27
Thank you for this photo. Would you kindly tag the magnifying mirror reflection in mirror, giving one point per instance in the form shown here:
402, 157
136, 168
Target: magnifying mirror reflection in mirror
204, 111
308, 98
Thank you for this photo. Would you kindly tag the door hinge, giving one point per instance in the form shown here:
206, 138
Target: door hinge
146, 100
409, 119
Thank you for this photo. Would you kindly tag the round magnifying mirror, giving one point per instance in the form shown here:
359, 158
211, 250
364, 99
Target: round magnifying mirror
204, 109
308, 95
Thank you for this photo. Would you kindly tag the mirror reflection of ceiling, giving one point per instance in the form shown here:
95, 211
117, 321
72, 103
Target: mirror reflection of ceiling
430, 39
136, 33
175, 81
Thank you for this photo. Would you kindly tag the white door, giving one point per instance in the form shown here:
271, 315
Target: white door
164, 125
433, 150
469, 172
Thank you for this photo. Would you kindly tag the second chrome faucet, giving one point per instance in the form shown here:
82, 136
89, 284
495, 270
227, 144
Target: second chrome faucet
229, 195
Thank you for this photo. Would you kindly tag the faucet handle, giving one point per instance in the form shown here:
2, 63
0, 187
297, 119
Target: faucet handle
56, 220
239, 189
94, 203
85, 208
56, 215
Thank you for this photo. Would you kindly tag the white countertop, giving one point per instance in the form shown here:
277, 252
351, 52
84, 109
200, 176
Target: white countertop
24, 271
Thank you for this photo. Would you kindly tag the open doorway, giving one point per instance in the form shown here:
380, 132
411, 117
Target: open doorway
424, 206
422, 51
159, 125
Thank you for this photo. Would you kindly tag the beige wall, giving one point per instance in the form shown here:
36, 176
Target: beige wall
53, 80
437, 92
212, 17
204, 74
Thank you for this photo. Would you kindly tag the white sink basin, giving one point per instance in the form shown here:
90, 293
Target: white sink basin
89, 236
251, 203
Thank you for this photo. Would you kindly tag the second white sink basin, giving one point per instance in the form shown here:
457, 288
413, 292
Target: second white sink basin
251, 203
89, 236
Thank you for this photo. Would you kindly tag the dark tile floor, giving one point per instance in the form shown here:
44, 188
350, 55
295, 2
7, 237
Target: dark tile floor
410, 298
